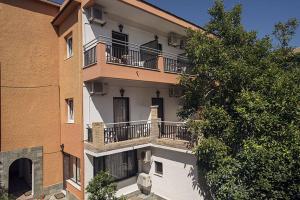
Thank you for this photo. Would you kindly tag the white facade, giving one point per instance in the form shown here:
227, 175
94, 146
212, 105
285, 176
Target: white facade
136, 35
99, 108
179, 180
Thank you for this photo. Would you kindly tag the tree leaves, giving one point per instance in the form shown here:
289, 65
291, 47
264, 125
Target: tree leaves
245, 104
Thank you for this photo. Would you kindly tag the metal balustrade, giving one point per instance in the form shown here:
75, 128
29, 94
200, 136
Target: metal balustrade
126, 56
174, 130
177, 65
136, 55
90, 56
126, 131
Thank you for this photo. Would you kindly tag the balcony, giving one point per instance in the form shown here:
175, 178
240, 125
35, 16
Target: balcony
111, 136
109, 58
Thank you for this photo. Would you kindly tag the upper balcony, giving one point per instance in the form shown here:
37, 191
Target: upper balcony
111, 58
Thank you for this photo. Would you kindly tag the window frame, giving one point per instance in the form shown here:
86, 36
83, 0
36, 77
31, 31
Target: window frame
102, 166
156, 166
70, 112
71, 177
70, 52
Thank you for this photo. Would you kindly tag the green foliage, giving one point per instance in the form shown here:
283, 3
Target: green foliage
4, 194
102, 187
245, 102
285, 31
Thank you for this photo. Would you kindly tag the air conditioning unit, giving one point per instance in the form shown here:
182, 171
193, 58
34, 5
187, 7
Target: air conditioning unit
96, 14
98, 88
146, 156
175, 92
173, 39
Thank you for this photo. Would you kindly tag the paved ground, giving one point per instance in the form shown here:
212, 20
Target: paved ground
145, 197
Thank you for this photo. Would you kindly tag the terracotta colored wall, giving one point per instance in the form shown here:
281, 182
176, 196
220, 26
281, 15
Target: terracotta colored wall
29, 82
70, 73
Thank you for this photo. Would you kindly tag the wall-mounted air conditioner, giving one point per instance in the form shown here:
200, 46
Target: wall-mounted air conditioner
173, 39
95, 14
175, 92
98, 88
146, 156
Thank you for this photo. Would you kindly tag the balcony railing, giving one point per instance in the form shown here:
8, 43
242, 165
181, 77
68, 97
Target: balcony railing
174, 130
137, 55
177, 65
90, 56
126, 131
133, 57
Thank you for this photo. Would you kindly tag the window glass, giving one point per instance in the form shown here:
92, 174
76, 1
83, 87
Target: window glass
158, 168
72, 168
70, 105
120, 166
69, 47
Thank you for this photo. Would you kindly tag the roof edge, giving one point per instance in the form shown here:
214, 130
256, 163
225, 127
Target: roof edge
172, 14
51, 3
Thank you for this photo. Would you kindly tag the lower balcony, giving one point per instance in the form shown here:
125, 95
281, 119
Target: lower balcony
111, 136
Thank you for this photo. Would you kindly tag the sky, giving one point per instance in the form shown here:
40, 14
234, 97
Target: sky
257, 15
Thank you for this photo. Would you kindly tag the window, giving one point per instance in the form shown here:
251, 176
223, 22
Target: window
72, 168
69, 41
70, 110
120, 166
158, 168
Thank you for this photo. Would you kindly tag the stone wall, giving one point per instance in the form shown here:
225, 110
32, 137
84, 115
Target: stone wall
35, 154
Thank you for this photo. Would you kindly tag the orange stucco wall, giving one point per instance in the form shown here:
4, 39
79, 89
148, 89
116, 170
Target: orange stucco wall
29, 82
70, 81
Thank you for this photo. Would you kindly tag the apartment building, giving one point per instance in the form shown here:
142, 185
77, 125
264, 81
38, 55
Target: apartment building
97, 80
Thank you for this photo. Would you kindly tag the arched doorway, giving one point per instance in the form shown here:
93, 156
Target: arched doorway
20, 177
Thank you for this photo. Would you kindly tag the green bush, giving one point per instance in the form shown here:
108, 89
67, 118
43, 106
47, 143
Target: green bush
102, 187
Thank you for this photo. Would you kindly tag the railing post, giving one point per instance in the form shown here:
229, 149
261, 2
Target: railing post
101, 53
154, 134
160, 63
98, 134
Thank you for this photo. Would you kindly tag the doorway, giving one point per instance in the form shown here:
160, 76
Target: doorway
20, 178
121, 114
160, 103
119, 44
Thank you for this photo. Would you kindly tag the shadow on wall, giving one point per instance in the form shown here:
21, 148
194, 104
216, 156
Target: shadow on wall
33, 6
200, 183
197, 176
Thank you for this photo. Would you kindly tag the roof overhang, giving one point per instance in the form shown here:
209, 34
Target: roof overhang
65, 11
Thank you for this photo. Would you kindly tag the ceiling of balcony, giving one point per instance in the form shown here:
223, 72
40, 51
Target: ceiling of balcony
128, 14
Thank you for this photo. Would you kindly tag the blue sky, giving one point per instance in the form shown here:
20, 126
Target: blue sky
258, 15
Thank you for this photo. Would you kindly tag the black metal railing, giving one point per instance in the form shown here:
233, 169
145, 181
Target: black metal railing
126, 131
176, 131
90, 56
133, 57
178, 65
89, 134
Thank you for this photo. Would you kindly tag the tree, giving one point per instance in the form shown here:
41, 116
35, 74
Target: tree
102, 187
245, 104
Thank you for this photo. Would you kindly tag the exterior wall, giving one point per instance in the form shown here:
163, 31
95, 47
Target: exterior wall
34, 154
70, 82
180, 175
136, 35
98, 108
179, 180
29, 83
